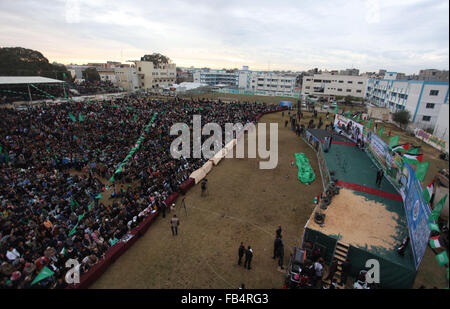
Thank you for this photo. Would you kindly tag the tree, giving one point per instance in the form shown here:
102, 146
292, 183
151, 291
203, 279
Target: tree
403, 118
91, 74
156, 58
19, 61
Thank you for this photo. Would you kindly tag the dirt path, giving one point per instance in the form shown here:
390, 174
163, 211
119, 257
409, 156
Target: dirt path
244, 204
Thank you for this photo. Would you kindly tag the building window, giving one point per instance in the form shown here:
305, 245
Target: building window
360, 83
349, 90
358, 91
350, 82
339, 89
426, 118
430, 105
341, 81
434, 92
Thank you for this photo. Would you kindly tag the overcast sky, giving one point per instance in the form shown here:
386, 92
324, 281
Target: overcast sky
397, 35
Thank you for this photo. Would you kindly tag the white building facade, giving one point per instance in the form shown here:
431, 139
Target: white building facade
423, 99
127, 78
327, 84
155, 76
216, 77
268, 82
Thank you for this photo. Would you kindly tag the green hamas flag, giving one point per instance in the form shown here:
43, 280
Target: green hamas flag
380, 132
111, 179
72, 117
369, 124
393, 141
421, 170
442, 258
135, 117
437, 209
45, 273
434, 227
80, 117
336, 110
99, 196
90, 205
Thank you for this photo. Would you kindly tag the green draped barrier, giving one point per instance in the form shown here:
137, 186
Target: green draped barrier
305, 172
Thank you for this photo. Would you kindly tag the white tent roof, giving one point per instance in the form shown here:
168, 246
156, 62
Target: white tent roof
4, 80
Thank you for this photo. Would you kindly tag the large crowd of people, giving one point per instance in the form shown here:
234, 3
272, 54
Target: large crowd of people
56, 160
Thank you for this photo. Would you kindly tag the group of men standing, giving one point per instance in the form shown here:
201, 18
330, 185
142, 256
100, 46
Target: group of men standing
248, 255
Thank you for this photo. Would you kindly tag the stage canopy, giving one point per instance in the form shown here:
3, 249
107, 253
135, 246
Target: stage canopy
15, 80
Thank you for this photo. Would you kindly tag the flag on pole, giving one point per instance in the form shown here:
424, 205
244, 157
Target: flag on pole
401, 148
412, 159
80, 117
336, 110
437, 209
45, 273
369, 124
434, 227
317, 199
393, 141
434, 242
428, 193
99, 196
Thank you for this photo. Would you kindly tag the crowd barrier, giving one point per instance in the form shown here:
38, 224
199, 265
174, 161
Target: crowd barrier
114, 252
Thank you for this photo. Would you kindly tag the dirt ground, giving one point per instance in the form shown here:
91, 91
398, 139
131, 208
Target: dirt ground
244, 204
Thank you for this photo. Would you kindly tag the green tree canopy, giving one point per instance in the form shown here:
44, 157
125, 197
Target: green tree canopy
402, 117
156, 58
18, 61
91, 74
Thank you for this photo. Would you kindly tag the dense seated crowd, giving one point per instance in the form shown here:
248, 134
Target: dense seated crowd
55, 160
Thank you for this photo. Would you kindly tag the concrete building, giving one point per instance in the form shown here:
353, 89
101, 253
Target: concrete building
433, 75
126, 78
107, 75
216, 77
441, 128
423, 99
155, 76
270, 82
350, 72
327, 84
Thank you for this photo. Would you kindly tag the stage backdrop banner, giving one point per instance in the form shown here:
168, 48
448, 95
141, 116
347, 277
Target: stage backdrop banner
356, 131
417, 213
380, 150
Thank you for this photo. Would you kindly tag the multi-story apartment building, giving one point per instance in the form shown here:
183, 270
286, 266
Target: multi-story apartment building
327, 84
433, 75
423, 99
268, 82
155, 76
126, 77
216, 77
107, 75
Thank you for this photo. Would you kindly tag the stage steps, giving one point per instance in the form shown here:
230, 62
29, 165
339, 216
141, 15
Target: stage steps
340, 254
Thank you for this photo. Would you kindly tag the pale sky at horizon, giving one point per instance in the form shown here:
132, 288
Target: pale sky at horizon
401, 35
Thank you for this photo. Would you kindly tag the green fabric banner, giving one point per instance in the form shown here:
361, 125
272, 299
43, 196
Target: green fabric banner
45, 273
305, 172
421, 170
72, 117
393, 141
437, 209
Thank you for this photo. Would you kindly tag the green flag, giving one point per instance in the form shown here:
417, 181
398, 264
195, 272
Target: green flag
393, 141
434, 227
359, 118
80, 117
135, 117
111, 179
336, 110
45, 273
380, 132
72, 117
90, 205
421, 170
99, 196
442, 258
437, 209
369, 124
413, 151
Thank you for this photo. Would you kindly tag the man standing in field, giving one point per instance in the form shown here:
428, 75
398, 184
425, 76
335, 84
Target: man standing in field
174, 223
241, 252
248, 257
